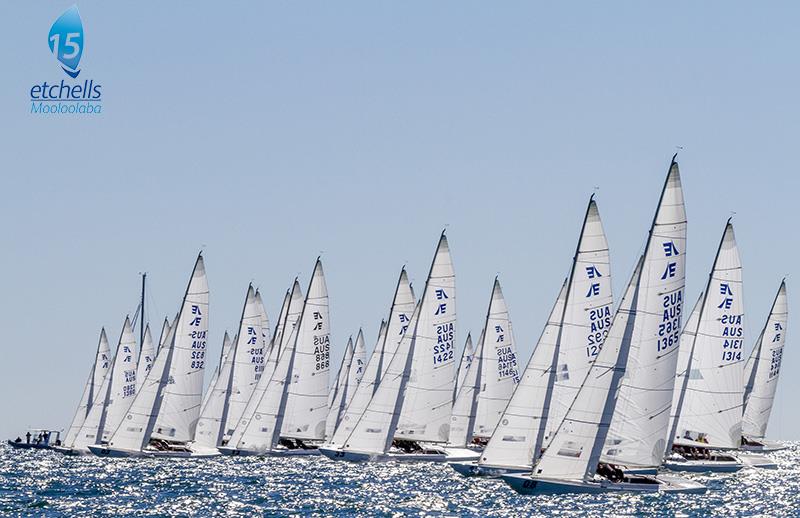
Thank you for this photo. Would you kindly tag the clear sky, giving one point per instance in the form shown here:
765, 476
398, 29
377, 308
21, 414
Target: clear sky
268, 133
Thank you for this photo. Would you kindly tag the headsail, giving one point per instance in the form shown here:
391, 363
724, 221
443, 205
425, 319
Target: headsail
766, 367
336, 399
463, 365
180, 408
208, 432
465, 407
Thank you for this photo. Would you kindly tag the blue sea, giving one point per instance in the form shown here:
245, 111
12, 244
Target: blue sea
44, 483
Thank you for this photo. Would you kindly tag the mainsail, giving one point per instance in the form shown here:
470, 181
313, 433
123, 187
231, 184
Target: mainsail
710, 411
336, 399
102, 360
165, 327
307, 394
765, 368
180, 408
465, 407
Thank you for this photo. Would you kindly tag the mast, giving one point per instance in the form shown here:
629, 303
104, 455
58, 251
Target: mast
141, 316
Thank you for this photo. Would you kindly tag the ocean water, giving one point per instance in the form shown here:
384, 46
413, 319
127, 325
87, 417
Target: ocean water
49, 484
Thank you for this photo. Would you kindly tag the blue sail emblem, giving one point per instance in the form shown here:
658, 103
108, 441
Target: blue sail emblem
66, 40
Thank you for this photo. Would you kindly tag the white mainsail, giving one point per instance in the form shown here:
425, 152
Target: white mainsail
357, 368
134, 432
570, 342
685, 345
766, 367
631, 412
247, 432
207, 433
428, 396
226, 344
146, 357
102, 360
336, 399
307, 394
266, 337
248, 363
710, 412
180, 408
418, 384
463, 365
399, 317
500, 366
122, 388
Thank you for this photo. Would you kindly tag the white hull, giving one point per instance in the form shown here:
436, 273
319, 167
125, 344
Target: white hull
763, 446
461, 454
105, 451
528, 485
678, 463
757, 461
71, 451
355, 456
473, 469
280, 452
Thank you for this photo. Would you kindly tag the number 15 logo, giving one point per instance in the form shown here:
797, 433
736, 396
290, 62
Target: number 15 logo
66, 40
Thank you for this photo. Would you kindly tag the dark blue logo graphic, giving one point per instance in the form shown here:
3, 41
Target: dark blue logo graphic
66, 40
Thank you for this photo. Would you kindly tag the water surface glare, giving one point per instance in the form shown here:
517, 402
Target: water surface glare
50, 484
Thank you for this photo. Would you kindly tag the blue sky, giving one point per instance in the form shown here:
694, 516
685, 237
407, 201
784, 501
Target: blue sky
268, 133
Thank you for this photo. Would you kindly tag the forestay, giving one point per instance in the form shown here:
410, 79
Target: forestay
766, 367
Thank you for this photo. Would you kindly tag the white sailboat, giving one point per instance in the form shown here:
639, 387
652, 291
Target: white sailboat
707, 414
487, 391
390, 336
91, 393
357, 368
571, 340
289, 417
237, 379
408, 416
631, 381
463, 365
226, 345
762, 373
162, 419
116, 392
164, 333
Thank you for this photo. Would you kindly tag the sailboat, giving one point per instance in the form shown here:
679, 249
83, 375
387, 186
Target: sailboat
761, 375
289, 416
164, 332
570, 341
463, 365
707, 413
630, 382
160, 421
490, 381
115, 394
391, 333
226, 345
408, 416
235, 384
90, 396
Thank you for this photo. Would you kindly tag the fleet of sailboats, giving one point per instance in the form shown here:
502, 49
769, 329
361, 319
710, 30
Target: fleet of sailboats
609, 399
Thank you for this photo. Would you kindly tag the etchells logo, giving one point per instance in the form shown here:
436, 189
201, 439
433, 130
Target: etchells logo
67, 96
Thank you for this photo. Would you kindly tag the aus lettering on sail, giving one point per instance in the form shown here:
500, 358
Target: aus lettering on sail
256, 352
599, 317
198, 357
444, 349
322, 345
670, 327
506, 357
732, 329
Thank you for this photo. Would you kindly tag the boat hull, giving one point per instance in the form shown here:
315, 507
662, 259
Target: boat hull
28, 446
528, 485
461, 454
356, 456
71, 451
757, 461
703, 466
474, 469
763, 446
236, 452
